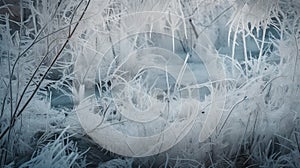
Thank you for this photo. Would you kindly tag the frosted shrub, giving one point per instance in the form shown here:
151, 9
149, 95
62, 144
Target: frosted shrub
33, 43
227, 69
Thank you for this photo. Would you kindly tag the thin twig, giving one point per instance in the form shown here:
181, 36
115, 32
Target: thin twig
297, 142
12, 123
231, 112
297, 55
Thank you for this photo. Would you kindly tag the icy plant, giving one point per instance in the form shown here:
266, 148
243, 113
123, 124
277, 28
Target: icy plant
60, 152
131, 57
262, 99
151, 79
30, 53
256, 40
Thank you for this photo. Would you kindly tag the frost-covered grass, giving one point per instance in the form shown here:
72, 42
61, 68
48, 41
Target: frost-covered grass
60, 152
56, 55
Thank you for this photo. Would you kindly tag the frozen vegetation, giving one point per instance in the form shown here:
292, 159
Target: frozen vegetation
201, 83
